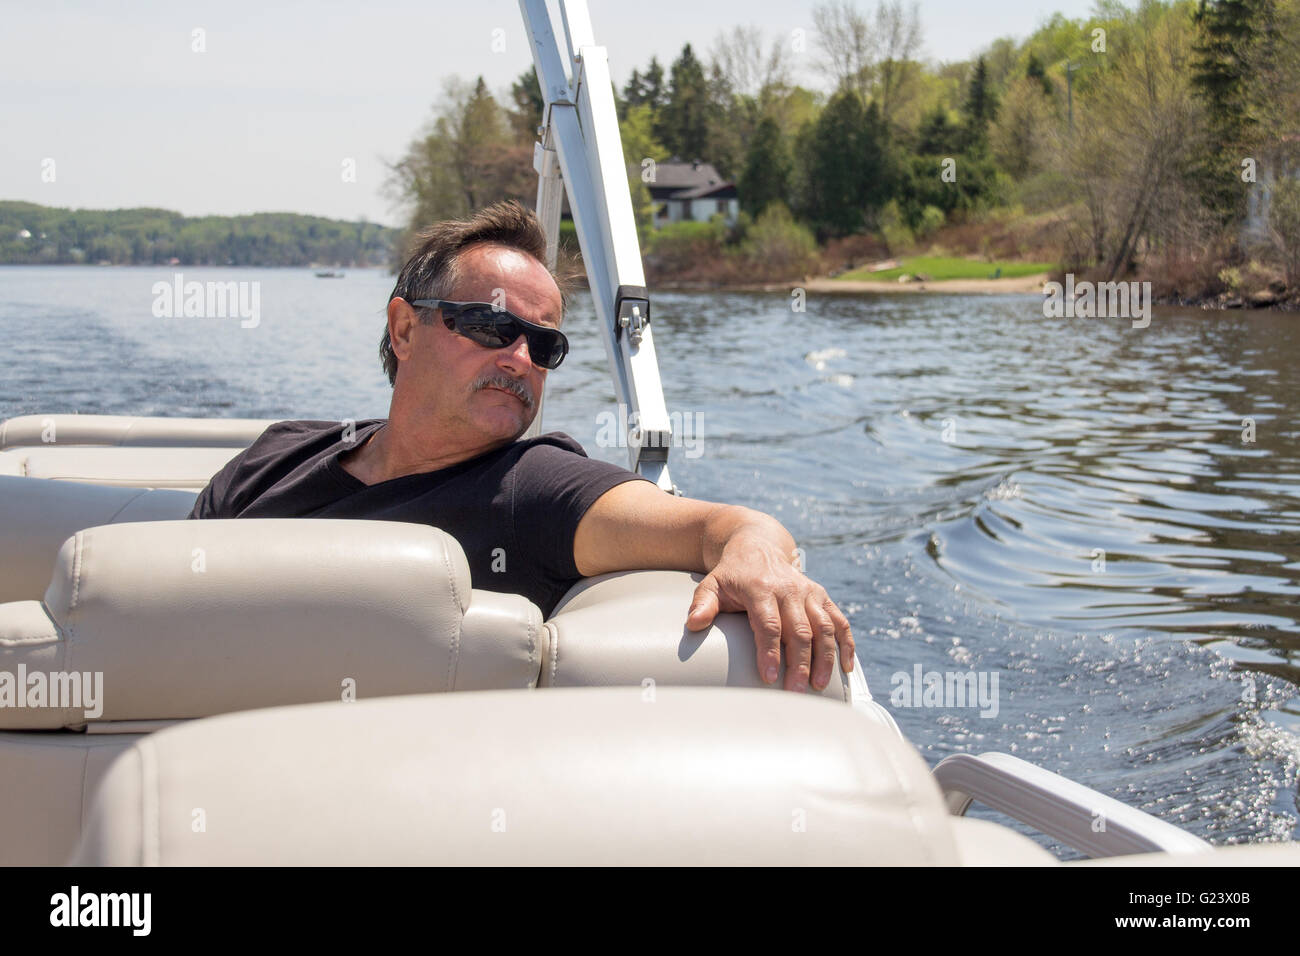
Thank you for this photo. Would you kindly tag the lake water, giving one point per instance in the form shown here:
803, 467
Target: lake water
1072, 505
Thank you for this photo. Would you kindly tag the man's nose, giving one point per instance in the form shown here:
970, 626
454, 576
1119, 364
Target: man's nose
516, 354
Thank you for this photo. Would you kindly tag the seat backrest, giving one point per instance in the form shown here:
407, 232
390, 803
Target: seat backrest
585, 776
131, 430
187, 468
37, 516
184, 619
630, 628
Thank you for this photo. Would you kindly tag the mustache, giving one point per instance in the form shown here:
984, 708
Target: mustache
516, 388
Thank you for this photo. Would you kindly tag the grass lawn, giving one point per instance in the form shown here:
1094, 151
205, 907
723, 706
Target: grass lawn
939, 268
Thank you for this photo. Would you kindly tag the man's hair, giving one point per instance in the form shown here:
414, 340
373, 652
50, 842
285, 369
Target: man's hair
433, 268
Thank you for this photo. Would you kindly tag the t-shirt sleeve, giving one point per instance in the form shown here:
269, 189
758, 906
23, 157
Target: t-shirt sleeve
253, 470
553, 489
214, 501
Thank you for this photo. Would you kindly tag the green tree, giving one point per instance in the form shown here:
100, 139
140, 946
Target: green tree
849, 173
980, 106
467, 158
633, 91
1234, 44
1035, 70
526, 113
684, 121
1020, 138
766, 176
834, 180
1138, 130
656, 92
639, 145
938, 135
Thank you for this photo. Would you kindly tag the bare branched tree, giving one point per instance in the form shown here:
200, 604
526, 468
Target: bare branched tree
873, 56
1134, 134
740, 58
898, 41
844, 32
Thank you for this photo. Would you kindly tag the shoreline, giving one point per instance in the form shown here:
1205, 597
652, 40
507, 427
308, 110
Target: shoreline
1024, 285
1021, 285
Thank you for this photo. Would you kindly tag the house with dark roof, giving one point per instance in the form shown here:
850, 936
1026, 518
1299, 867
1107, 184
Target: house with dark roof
685, 191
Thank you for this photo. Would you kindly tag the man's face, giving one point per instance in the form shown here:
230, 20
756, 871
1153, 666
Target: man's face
468, 389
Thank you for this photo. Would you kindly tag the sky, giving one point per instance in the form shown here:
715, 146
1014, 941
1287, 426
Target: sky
111, 104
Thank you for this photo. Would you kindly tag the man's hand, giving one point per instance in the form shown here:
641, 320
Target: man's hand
784, 607
747, 560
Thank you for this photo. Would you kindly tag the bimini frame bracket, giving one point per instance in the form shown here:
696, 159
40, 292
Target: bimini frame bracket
581, 153
632, 306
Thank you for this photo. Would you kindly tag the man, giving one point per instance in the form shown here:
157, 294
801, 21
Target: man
533, 516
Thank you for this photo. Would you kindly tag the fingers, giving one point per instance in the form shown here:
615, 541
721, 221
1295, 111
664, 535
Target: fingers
765, 621
704, 605
843, 635
824, 643
798, 633
785, 609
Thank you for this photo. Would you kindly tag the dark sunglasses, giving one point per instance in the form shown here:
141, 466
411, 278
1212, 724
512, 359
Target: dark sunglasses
496, 328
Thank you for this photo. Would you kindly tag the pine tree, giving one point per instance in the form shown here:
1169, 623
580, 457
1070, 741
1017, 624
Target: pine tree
1035, 70
526, 94
1233, 46
848, 173
634, 90
875, 158
938, 135
766, 176
980, 106
653, 82
683, 123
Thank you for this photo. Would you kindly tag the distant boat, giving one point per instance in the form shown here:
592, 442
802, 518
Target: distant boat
329, 275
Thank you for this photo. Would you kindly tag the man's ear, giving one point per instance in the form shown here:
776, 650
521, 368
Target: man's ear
402, 321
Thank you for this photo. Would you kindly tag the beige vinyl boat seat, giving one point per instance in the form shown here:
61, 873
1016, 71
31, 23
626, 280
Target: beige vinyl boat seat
185, 468
191, 619
37, 516
130, 430
123, 450
187, 619
574, 776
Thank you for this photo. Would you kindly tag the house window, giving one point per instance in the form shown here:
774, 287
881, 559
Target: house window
722, 206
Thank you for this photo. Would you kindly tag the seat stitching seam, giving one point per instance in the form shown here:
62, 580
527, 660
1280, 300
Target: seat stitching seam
532, 642
460, 622
555, 653
76, 593
133, 499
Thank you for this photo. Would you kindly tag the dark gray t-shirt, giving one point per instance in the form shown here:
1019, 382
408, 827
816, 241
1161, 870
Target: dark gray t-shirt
514, 510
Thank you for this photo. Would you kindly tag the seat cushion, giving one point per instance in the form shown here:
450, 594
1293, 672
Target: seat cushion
37, 516
131, 430
47, 781
630, 627
185, 619
582, 776
186, 468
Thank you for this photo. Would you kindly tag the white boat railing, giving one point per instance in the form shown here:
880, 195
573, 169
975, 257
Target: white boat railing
1077, 816
581, 152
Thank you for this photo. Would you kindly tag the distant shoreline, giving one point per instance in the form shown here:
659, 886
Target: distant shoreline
1022, 285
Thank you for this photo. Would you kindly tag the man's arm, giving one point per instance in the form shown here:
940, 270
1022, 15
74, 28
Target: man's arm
746, 557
